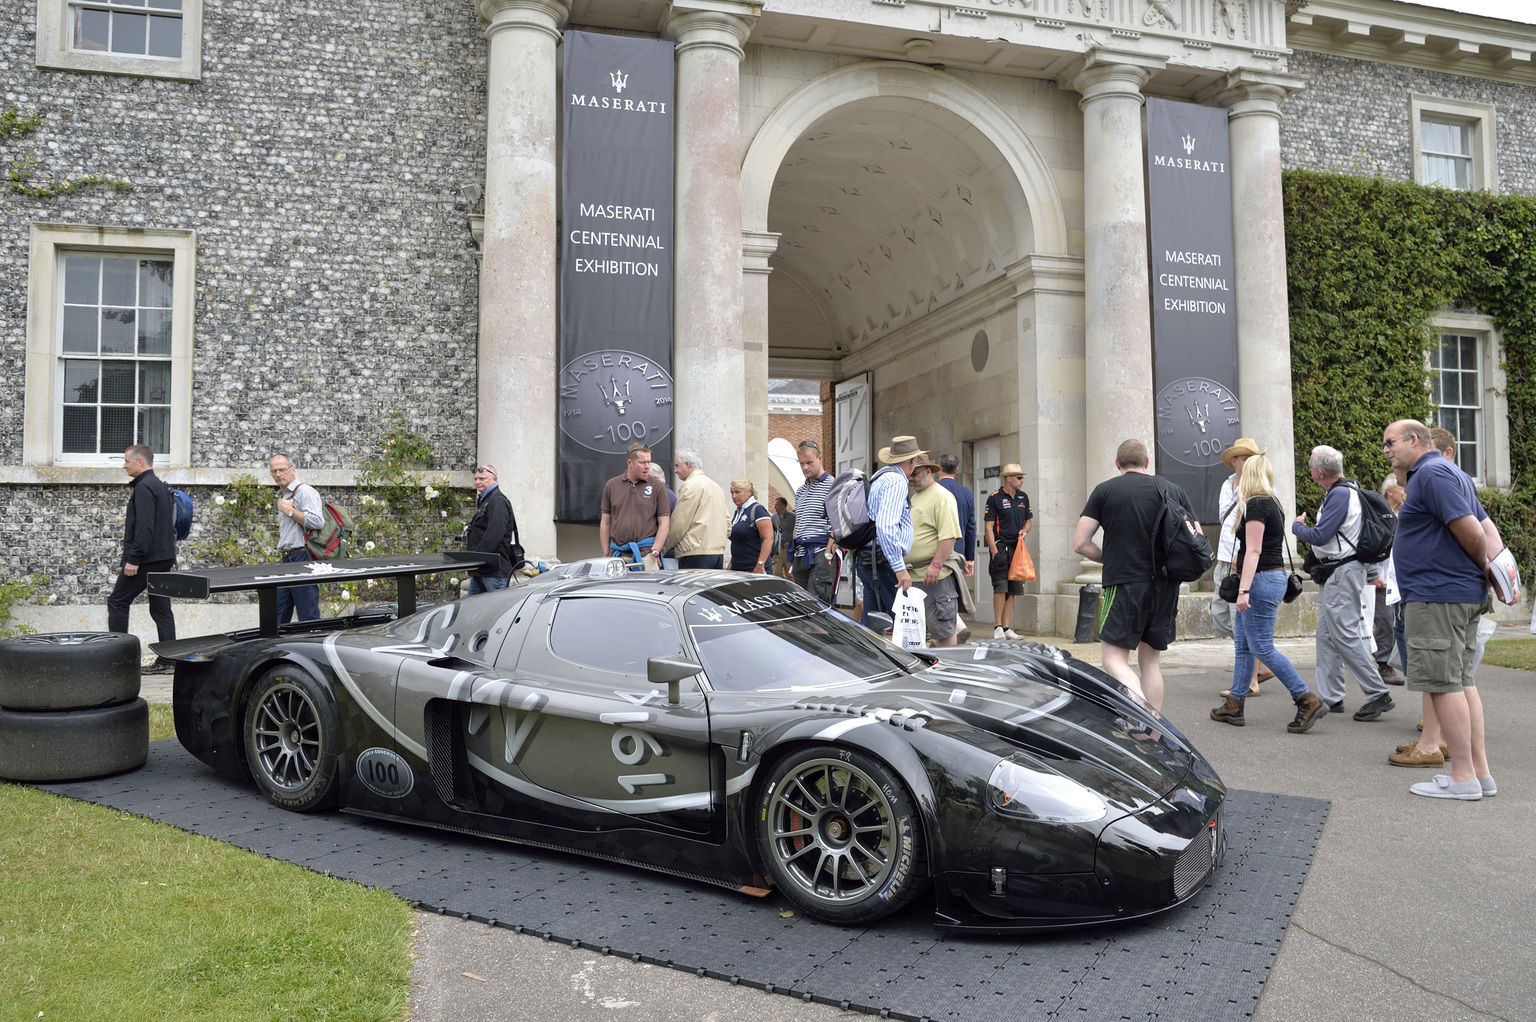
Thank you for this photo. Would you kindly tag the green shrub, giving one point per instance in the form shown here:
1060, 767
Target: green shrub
401, 505
1370, 261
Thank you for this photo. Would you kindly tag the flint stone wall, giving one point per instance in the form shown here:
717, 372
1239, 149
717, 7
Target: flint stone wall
320, 161
73, 536
1352, 118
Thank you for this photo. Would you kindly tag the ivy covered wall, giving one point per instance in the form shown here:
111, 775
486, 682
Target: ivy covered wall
1370, 261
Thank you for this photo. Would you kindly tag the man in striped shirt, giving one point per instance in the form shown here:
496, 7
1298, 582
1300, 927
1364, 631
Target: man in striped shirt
882, 566
811, 550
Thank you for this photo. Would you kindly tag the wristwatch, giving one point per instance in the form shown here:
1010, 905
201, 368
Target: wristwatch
1241, 591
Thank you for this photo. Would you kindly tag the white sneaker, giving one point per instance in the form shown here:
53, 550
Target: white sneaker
1009, 633
1441, 786
997, 633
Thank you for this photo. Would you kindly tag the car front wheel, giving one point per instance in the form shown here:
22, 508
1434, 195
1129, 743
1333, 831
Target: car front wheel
840, 836
290, 740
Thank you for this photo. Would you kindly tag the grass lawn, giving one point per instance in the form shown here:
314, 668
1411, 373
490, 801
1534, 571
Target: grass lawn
1517, 653
107, 916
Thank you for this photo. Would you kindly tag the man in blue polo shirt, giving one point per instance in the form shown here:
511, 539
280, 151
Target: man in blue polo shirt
1440, 555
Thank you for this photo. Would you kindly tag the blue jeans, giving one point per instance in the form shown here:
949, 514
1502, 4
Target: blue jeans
879, 581
304, 599
1253, 633
478, 585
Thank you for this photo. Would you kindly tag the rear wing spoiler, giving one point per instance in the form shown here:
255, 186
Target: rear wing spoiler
266, 579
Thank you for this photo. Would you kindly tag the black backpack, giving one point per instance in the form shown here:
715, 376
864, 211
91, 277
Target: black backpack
1180, 551
1378, 526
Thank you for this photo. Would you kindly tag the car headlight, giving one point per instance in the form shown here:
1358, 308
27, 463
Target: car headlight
1019, 790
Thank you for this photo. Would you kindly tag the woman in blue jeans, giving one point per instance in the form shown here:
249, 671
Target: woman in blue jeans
1260, 553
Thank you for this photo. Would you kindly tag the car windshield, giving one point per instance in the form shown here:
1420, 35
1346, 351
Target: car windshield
765, 635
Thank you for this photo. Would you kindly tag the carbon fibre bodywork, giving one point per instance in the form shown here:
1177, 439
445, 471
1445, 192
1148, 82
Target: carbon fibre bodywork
1046, 794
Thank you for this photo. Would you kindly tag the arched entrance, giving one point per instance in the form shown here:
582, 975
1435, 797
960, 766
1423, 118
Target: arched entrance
911, 213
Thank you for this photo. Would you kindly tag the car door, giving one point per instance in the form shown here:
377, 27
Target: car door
577, 731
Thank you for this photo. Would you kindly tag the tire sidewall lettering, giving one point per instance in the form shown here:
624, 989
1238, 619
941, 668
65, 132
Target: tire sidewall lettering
903, 868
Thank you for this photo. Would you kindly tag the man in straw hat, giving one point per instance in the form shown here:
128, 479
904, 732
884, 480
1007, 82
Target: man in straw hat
882, 566
1222, 612
935, 530
1139, 609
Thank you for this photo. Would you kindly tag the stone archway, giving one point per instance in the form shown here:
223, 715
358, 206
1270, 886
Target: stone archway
987, 128
902, 206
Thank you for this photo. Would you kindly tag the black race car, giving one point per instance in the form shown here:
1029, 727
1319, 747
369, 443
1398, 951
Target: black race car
728, 728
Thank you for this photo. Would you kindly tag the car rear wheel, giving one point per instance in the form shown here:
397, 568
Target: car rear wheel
291, 727
839, 835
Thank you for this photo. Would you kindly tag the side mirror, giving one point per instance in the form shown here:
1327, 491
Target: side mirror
670, 670
880, 623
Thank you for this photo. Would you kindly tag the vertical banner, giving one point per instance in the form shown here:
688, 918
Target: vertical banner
1194, 307
616, 215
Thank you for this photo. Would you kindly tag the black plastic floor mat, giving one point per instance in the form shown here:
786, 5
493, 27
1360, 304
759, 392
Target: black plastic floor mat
1207, 959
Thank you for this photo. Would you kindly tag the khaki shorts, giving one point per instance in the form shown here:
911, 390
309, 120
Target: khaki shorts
941, 608
1442, 646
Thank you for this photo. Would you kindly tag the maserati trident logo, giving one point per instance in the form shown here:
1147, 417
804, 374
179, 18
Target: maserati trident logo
1199, 414
620, 80
1189, 144
616, 395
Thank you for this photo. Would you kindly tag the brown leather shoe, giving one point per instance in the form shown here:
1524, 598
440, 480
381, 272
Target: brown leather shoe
1309, 710
1413, 756
1230, 712
1411, 746
1264, 674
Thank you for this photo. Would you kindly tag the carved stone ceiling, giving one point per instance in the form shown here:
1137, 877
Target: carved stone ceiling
884, 216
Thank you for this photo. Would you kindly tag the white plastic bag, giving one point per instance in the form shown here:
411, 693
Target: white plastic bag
911, 631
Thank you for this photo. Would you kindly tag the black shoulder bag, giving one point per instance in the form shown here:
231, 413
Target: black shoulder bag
1293, 580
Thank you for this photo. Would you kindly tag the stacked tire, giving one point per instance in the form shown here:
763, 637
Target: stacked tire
70, 707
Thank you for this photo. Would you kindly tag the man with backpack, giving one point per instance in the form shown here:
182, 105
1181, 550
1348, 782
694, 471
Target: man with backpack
299, 510
810, 549
492, 530
149, 544
882, 564
1141, 594
1344, 544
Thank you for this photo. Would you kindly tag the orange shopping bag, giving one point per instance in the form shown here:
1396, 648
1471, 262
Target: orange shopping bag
1022, 569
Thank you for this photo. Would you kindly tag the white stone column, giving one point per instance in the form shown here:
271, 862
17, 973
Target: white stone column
708, 363
756, 247
1117, 338
1048, 314
1258, 233
518, 311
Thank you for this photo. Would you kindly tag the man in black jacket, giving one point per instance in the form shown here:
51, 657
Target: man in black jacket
149, 544
492, 530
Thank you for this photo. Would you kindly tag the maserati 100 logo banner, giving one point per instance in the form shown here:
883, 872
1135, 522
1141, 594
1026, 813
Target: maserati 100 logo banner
1194, 308
615, 262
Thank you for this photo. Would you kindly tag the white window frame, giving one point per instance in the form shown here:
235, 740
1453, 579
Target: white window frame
1493, 471
42, 431
53, 51
1481, 117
